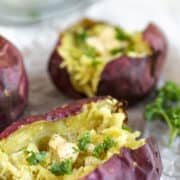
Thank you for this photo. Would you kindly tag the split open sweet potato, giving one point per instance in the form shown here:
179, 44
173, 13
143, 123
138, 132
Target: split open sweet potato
88, 139
96, 58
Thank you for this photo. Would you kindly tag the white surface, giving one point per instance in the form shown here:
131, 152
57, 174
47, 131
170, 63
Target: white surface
36, 43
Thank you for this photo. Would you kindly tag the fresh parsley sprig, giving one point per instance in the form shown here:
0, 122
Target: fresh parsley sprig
167, 107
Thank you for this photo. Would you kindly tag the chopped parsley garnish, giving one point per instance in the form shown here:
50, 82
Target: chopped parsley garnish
89, 51
125, 127
108, 143
103, 147
95, 63
130, 49
167, 107
35, 158
121, 35
76, 150
62, 168
116, 51
80, 36
84, 141
98, 150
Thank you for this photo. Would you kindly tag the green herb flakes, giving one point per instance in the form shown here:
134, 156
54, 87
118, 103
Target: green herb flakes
125, 127
84, 141
34, 158
80, 36
95, 63
103, 147
121, 35
89, 51
76, 150
62, 168
116, 51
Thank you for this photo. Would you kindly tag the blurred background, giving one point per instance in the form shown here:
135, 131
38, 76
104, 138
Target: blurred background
41, 19
25, 12
34, 26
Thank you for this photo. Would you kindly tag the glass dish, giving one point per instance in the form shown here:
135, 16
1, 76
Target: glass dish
31, 11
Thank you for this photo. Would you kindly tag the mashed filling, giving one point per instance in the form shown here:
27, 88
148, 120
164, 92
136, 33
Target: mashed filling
87, 47
67, 149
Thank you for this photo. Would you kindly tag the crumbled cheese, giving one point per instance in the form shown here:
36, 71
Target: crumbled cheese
62, 149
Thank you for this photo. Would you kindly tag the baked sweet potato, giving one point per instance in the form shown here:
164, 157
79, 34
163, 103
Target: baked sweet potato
96, 58
13, 83
87, 140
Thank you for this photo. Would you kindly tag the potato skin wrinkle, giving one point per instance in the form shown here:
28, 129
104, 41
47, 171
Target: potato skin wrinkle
13, 83
124, 76
139, 160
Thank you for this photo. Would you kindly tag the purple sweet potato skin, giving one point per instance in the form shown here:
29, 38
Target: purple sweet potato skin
56, 114
13, 83
134, 78
158, 43
127, 78
60, 76
122, 166
118, 167
123, 78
